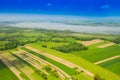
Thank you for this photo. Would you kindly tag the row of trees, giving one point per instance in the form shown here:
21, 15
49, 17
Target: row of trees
70, 47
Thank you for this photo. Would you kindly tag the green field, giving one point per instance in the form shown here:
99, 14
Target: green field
14, 39
61, 66
78, 60
112, 65
95, 54
6, 73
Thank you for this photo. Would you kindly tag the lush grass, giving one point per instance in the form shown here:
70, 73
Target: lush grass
79, 61
3, 42
95, 54
112, 65
6, 73
52, 44
70, 40
61, 66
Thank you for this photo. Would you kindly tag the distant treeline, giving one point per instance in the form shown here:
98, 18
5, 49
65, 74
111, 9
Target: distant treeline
20, 36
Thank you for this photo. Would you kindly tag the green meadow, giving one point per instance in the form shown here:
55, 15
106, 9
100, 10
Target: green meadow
13, 39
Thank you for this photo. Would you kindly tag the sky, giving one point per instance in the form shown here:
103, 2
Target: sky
62, 7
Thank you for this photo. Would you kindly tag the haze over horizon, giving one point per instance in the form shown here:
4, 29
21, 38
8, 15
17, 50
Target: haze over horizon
79, 15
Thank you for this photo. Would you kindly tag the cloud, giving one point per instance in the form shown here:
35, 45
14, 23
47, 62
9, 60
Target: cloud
105, 6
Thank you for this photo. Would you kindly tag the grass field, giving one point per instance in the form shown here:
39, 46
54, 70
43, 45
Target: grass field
6, 73
95, 54
112, 65
61, 66
13, 40
80, 61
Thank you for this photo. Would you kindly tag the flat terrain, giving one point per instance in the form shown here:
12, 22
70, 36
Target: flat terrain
6, 73
112, 65
40, 54
75, 57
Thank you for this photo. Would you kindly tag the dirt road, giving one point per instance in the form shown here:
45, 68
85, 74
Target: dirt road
108, 59
65, 62
60, 72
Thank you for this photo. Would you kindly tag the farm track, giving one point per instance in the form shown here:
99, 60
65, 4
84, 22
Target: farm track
27, 72
106, 45
105, 60
31, 62
11, 67
62, 74
67, 63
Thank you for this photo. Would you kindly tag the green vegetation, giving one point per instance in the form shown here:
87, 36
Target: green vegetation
35, 75
104, 74
70, 47
14, 37
61, 66
95, 54
58, 43
6, 73
112, 65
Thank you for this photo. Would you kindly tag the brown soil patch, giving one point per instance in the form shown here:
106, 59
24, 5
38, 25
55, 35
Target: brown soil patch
106, 45
88, 43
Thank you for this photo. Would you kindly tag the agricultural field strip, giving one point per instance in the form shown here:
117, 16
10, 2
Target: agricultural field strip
61, 72
67, 63
106, 45
30, 62
11, 67
27, 73
88, 43
105, 60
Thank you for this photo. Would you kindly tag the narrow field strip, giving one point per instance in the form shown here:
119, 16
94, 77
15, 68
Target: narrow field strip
33, 75
105, 60
42, 61
6, 73
67, 69
106, 45
17, 64
37, 67
31, 62
11, 67
61, 61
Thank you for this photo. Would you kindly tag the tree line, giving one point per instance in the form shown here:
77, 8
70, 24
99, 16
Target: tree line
70, 47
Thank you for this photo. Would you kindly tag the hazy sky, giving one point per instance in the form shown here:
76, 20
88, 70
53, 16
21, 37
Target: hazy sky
62, 7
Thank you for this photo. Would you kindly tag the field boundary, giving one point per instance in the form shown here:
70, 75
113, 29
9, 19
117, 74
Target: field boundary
43, 61
11, 67
67, 63
105, 60
106, 45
